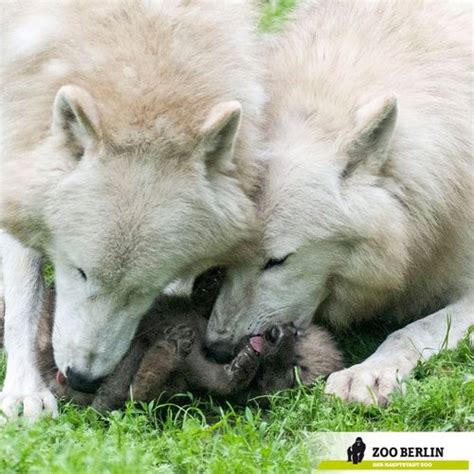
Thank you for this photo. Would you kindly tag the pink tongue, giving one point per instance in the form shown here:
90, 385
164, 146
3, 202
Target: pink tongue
257, 343
60, 378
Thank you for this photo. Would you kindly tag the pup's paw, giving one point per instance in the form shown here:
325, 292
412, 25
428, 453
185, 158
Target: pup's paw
369, 383
105, 402
183, 336
30, 403
245, 364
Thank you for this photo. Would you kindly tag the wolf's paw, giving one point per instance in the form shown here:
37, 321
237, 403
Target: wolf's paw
245, 364
183, 336
32, 404
368, 383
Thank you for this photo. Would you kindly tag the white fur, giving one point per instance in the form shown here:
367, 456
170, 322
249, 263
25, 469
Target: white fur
57, 67
369, 183
23, 383
32, 35
127, 167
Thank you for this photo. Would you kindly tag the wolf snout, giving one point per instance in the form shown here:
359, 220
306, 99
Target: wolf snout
82, 382
221, 351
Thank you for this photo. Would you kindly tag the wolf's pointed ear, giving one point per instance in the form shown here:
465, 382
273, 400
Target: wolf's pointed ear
375, 123
76, 119
219, 134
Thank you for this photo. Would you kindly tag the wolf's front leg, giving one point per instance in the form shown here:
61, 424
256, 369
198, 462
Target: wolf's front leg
373, 380
23, 286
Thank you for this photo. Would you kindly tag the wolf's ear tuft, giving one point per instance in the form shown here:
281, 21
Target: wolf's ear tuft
219, 134
76, 119
374, 124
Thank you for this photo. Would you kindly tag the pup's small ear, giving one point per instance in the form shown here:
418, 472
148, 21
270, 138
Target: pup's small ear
374, 125
219, 134
76, 119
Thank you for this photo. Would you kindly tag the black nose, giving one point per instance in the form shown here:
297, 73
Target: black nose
221, 352
82, 383
274, 334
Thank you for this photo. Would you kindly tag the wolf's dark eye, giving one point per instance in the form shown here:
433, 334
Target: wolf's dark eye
274, 262
82, 273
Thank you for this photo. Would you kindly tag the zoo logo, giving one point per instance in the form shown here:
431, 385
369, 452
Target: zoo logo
393, 457
355, 453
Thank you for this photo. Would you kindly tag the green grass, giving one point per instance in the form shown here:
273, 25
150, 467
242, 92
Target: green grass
203, 436
274, 14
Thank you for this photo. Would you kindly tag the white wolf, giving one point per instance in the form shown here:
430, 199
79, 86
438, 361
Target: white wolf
367, 205
126, 159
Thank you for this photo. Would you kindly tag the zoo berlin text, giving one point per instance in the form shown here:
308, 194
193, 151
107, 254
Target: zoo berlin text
396, 464
392, 451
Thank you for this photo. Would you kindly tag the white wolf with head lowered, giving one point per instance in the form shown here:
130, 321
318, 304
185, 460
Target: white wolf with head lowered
367, 203
130, 130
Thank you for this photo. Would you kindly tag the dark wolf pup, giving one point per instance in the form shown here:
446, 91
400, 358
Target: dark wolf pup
166, 357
